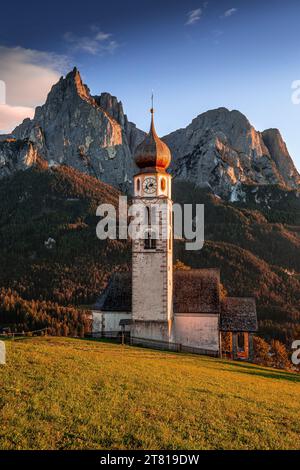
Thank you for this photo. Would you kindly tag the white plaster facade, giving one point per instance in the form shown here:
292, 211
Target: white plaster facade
105, 322
197, 330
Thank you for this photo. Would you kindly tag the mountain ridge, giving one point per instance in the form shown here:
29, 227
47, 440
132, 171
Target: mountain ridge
222, 148
92, 134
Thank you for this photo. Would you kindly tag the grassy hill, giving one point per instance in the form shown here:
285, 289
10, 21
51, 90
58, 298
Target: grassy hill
61, 393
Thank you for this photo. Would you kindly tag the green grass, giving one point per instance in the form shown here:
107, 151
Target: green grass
60, 393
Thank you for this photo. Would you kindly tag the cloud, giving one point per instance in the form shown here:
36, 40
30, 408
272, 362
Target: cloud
96, 43
11, 116
28, 75
194, 16
229, 12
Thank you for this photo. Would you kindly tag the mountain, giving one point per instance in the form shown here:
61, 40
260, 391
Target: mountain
50, 251
280, 155
91, 134
16, 155
220, 148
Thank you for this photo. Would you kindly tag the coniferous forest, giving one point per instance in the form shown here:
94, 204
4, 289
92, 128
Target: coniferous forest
53, 267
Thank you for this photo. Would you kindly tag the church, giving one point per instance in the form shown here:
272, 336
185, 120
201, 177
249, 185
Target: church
158, 306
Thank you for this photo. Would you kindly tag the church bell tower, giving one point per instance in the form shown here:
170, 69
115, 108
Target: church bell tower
152, 255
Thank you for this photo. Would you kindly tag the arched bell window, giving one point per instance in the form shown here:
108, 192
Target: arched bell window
138, 184
163, 184
150, 240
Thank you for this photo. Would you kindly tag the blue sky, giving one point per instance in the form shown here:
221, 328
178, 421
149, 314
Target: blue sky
195, 55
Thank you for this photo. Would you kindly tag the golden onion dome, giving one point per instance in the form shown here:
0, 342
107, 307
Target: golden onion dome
152, 154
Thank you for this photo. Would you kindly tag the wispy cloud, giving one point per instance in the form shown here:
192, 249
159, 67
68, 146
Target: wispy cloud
229, 12
96, 43
194, 16
28, 74
12, 116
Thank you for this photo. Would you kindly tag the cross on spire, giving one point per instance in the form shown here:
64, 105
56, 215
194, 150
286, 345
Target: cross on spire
152, 101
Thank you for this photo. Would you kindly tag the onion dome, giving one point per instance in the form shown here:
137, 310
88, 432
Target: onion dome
152, 154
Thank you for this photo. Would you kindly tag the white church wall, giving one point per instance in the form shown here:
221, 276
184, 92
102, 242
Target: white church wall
152, 330
149, 288
197, 331
109, 321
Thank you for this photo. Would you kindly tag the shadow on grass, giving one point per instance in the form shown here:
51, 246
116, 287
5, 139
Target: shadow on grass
264, 372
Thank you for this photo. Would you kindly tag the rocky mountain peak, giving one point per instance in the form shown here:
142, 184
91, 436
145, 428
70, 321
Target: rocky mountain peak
111, 105
91, 134
219, 149
279, 152
74, 82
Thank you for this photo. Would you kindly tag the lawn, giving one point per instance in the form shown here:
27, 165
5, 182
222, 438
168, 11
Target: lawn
60, 393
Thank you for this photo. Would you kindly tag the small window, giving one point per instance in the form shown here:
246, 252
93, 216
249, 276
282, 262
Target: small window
241, 342
150, 240
163, 184
138, 184
148, 219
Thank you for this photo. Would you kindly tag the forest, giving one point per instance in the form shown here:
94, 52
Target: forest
53, 266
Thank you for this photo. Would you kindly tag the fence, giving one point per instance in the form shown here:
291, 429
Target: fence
24, 334
168, 346
126, 338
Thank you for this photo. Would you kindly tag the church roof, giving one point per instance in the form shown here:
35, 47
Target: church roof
152, 154
117, 295
197, 291
238, 314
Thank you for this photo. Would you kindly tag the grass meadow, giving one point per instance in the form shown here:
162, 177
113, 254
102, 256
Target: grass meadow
61, 393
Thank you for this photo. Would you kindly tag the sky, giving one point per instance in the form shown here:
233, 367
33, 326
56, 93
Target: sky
194, 55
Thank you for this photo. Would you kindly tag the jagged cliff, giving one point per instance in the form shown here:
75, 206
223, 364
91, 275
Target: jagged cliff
220, 148
280, 155
91, 134
16, 155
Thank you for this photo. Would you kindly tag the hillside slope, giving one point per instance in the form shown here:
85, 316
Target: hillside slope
74, 394
50, 251
48, 241
257, 247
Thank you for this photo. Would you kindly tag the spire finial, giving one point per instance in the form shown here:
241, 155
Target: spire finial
152, 154
152, 101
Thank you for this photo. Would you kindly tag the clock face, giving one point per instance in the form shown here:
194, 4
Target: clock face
149, 185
